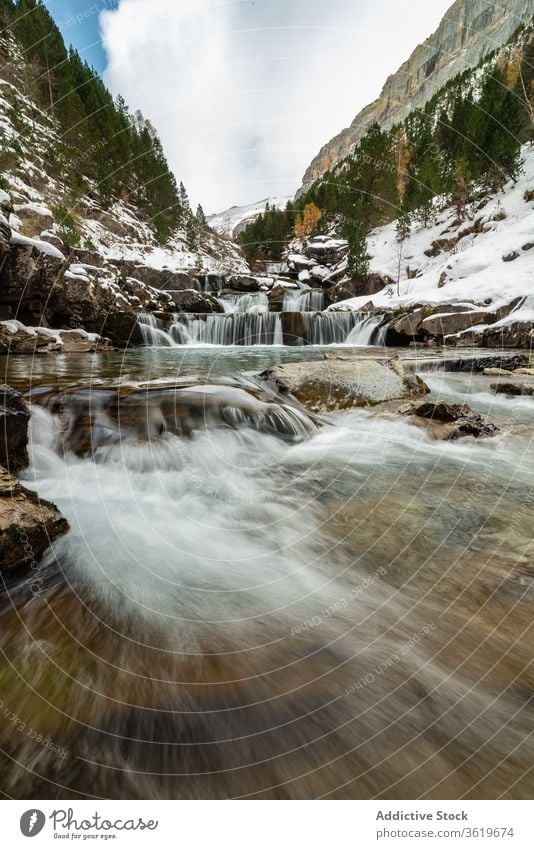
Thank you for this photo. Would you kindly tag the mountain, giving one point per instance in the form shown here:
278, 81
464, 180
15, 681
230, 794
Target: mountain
469, 31
94, 227
233, 221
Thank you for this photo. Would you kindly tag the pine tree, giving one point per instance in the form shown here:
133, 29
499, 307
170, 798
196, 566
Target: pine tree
191, 234
353, 230
200, 216
402, 233
184, 198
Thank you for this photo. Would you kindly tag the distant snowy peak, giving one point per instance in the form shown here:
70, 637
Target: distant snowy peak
233, 221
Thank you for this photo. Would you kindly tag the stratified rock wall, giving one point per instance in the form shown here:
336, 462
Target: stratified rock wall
469, 31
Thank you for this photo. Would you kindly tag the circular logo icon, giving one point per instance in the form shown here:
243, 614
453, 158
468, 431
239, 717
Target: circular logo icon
32, 823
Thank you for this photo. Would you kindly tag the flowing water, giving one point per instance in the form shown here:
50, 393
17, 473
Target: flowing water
248, 322
253, 603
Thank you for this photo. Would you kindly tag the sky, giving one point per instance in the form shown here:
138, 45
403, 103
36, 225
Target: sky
244, 93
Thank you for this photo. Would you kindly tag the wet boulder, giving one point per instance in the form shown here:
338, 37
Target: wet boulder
17, 339
446, 421
28, 525
15, 417
514, 388
342, 384
191, 301
371, 285
243, 283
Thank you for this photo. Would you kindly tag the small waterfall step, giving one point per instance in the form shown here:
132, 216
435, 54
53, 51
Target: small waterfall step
256, 327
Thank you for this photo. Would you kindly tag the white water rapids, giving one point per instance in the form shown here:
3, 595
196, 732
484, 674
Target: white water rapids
236, 615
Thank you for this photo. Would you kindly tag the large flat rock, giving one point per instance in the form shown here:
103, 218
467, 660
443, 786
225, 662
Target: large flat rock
342, 384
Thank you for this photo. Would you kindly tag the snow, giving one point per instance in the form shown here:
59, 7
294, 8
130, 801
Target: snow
300, 259
4, 197
43, 247
13, 326
227, 222
38, 208
474, 268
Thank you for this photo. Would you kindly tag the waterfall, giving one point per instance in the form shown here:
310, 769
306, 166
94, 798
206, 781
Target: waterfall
236, 328
311, 300
154, 335
258, 302
344, 328
249, 323
369, 331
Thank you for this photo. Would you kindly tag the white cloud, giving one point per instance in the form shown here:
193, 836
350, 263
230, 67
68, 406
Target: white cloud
245, 93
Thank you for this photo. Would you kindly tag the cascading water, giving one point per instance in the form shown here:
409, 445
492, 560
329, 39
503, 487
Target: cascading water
239, 328
153, 333
343, 328
310, 300
249, 324
257, 302
369, 331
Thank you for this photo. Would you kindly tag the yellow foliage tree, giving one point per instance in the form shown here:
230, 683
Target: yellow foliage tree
403, 156
307, 221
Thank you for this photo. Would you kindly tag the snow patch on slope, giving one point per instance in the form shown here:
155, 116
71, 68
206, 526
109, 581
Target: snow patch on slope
481, 267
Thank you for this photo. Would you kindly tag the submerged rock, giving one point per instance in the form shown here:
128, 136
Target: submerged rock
447, 421
342, 384
513, 388
96, 418
15, 417
28, 524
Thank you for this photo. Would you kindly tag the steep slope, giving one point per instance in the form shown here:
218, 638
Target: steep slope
469, 31
85, 242
233, 221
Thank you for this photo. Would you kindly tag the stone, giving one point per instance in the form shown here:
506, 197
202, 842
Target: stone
243, 283
19, 341
74, 342
27, 278
441, 245
15, 417
5, 237
447, 324
192, 301
372, 285
34, 218
467, 33
518, 334
331, 385
28, 525
448, 421
513, 255
511, 388
496, 372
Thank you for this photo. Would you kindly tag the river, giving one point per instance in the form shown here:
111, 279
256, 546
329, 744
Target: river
268, 606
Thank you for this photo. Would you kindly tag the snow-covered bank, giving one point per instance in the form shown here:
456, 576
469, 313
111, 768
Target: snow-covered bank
486, 259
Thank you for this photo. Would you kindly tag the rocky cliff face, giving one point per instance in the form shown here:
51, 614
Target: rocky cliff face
469, 31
